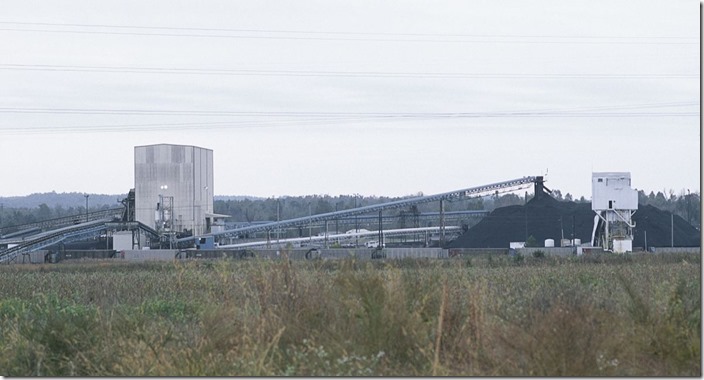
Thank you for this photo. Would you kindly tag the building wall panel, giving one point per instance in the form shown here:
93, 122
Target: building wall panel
186, 171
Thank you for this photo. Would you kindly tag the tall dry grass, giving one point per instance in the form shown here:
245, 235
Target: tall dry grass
636, 315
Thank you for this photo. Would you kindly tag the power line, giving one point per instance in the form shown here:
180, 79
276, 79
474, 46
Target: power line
310, 114
181, 126
388, 37
288, 31
322, 118
337, 114
315, 73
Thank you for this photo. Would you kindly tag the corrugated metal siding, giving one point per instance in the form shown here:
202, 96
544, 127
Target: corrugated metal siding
186, 170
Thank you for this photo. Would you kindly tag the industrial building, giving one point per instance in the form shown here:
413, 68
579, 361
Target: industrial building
614, 202
174, 188
171, 207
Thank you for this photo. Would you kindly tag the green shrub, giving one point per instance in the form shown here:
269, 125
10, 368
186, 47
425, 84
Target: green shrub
538, 254
517, 258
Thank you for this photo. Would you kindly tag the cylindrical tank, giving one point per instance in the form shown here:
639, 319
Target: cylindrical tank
549, 243
565, 243
577, 242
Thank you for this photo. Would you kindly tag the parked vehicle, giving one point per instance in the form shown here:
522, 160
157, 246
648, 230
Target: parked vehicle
373, 244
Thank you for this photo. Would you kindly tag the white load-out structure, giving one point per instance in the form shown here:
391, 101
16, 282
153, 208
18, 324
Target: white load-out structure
614, 202
174, 187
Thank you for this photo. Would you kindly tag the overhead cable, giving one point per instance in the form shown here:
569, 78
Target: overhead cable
319, 73
339, 36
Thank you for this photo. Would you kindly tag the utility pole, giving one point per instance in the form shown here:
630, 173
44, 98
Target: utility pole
525, 213
645, 233
672, 230
442, 223
689, 219
562, 231
573, 241
356, 225
86, 207
337, 230
381, 231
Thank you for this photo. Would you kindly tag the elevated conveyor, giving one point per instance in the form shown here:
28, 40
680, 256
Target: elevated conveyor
511, 185
45, 239
71, 233
387, 233
20, 232
26, 238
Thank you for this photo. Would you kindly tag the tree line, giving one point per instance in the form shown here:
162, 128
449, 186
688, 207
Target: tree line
686, 205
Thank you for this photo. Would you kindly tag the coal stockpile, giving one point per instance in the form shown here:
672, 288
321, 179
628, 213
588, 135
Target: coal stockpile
544, 217
658, 226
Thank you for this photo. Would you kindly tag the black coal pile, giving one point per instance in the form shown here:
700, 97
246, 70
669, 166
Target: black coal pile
544, 217
658, 226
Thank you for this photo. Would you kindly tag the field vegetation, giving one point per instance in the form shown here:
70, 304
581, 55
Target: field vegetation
626, 315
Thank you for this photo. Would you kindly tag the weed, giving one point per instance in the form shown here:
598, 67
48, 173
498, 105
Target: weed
607, 315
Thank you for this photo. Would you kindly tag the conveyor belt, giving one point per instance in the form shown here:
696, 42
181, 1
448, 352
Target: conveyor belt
52, 237
70, 233
514, 184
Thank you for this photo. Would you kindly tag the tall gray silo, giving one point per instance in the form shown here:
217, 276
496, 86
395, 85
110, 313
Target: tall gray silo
173, 187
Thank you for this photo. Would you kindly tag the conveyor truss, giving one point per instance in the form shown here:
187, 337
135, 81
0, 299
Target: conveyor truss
96, 223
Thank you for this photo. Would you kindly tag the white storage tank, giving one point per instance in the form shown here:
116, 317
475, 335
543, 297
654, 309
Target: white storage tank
565, 243
577, 241
549, 243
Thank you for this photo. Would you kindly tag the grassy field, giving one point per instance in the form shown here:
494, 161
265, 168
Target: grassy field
632, 315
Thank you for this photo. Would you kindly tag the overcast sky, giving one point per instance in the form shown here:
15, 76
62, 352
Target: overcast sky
341, 97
